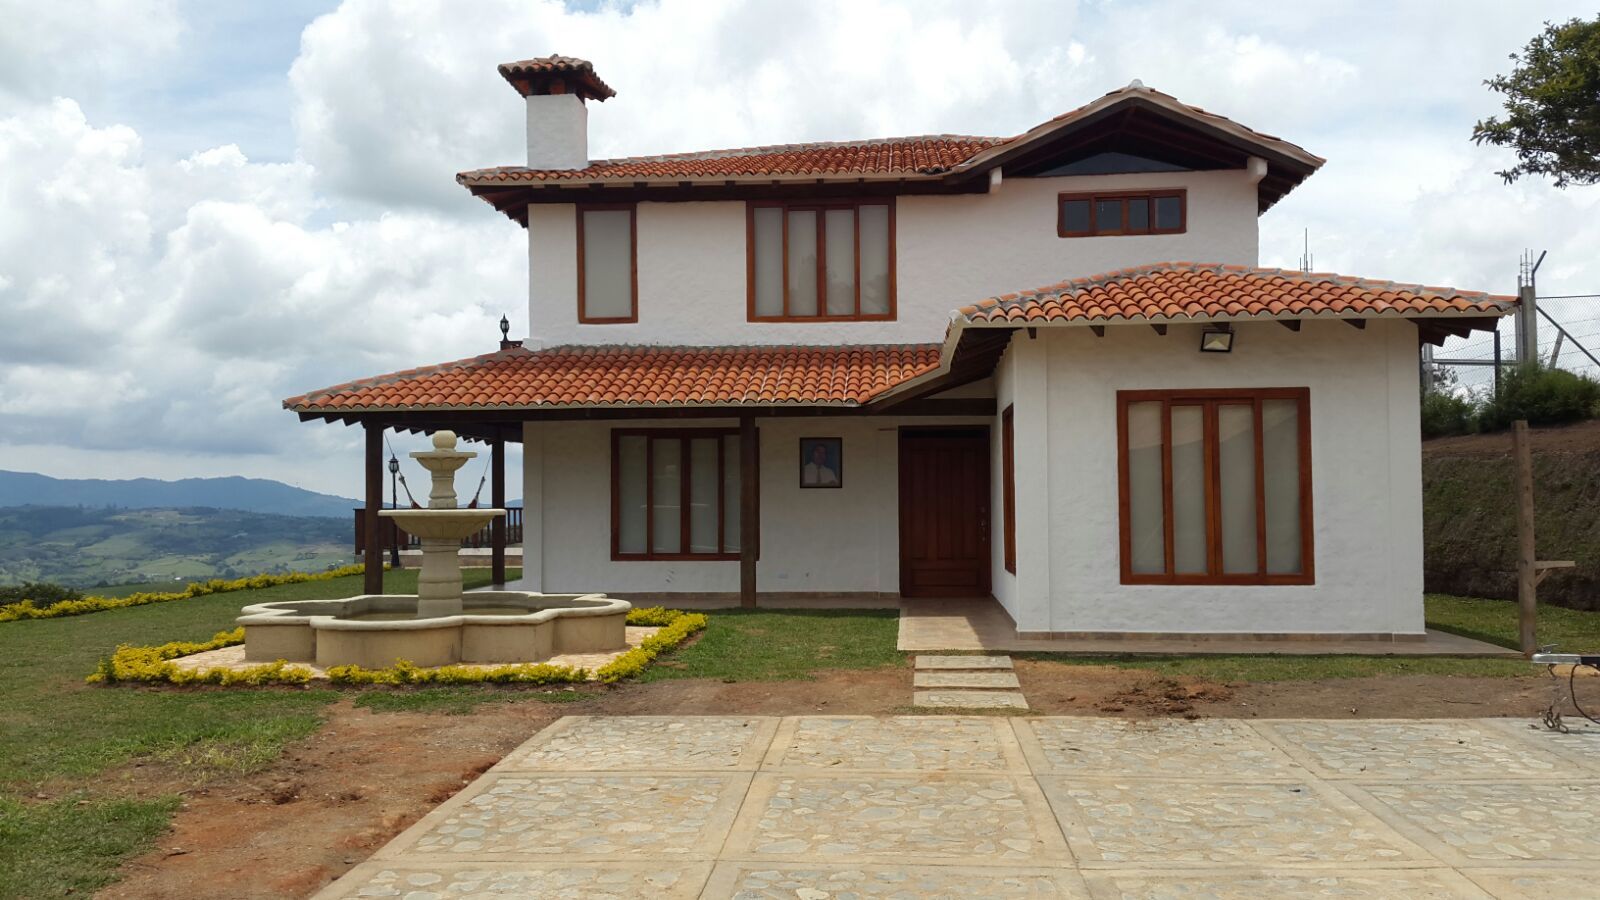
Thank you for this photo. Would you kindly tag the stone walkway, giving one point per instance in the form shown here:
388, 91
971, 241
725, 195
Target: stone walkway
821, 807
966, 682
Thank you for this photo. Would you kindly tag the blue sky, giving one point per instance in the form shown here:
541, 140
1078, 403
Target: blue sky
212, 206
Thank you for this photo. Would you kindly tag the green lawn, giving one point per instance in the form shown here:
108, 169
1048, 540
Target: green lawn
58, 734
778, 645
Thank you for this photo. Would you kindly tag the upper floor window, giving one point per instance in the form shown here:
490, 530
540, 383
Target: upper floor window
1215, 486
1122, 212
821, 261
608, 272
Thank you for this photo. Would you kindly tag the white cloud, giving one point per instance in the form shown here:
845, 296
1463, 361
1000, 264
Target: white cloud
170, 301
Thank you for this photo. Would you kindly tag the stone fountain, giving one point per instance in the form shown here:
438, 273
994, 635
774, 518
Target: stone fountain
439, 626
441, 527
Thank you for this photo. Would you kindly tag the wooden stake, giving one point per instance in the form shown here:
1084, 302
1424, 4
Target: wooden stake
1527, 557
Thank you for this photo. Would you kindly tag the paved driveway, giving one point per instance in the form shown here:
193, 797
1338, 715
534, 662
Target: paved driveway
822, 807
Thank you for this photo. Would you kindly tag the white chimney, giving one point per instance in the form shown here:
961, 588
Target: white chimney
556, 89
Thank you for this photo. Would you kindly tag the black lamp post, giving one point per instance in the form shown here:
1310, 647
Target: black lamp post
505, 333
394, 503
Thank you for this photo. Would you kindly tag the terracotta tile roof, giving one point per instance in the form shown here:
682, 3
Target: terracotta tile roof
579, 72
625, 376
927, 155
924, 156
1183, 290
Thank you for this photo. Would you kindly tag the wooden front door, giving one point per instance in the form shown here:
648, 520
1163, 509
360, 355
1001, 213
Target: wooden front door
944, 512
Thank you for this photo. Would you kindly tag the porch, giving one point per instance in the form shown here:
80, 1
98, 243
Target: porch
981, 624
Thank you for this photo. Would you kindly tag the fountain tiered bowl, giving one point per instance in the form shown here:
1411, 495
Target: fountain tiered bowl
438, 626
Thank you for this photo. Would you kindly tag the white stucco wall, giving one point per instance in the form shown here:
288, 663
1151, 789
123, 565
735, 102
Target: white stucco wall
843, 540
1366, 478
949, 251
558, 132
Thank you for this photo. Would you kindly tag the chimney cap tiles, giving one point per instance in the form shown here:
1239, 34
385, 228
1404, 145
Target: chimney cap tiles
556, 75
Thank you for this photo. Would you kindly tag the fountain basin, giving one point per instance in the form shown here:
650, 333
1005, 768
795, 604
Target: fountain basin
375, 630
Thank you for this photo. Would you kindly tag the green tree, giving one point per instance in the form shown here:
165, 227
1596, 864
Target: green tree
1552, 101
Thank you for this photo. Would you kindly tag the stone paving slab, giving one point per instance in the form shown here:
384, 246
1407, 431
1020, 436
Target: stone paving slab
1579, 747
765, 881
963, 699
1206, 749
968, 663
1411, 884
553, 880
585, 743
1150, 823
1514, 824
966, 807
1414, 750
985, 680
900, 744
579, 817
872, 818
1547, 883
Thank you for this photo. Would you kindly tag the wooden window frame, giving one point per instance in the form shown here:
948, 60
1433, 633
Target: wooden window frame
1093, 197
820, 207
1209, 400
684, 436
633, 264
1008, 487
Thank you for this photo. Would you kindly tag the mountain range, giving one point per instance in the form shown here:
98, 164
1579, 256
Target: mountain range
257, 495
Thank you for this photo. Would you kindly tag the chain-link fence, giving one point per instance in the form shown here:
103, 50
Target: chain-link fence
1568, 335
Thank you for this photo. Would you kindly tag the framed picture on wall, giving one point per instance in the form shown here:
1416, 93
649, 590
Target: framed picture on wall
821, 462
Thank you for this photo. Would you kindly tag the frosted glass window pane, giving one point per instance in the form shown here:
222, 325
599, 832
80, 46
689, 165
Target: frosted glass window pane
839, 236
768, 239
607, 264
703, 495
666, 495
1146, 529
631, 506
1188, 490
730, 494
1280, 445
1236, 460
874, 260
803, 263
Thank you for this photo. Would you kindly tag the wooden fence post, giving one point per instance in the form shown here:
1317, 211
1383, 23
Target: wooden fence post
1527, 556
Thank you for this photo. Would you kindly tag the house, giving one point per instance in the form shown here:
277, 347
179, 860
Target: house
1043, 368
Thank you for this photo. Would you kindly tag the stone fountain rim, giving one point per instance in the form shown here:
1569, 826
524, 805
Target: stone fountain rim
269, 614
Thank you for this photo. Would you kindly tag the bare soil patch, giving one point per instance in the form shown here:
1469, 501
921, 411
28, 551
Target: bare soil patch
337, 796
1579, 437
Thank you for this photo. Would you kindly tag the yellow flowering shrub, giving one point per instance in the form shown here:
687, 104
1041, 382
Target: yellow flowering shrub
633, 662
405, 672
154, 664
26, 610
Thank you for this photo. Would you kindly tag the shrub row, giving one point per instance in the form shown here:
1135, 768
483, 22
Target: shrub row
154, 664
27, 610
1540, 394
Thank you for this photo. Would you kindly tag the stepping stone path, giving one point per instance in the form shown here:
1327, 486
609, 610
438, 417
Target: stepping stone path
967, 682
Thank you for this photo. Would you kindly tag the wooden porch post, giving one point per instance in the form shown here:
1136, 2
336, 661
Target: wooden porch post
497, 499
372, 579
749, 524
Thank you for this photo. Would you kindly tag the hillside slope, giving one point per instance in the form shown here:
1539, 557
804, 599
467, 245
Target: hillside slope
87, 547
1469, 514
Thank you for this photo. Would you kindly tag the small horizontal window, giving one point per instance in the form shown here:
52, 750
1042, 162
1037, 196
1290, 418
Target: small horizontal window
1122, 212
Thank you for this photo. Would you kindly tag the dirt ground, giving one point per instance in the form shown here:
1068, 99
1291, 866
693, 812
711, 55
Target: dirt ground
335, 797
1580, 437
